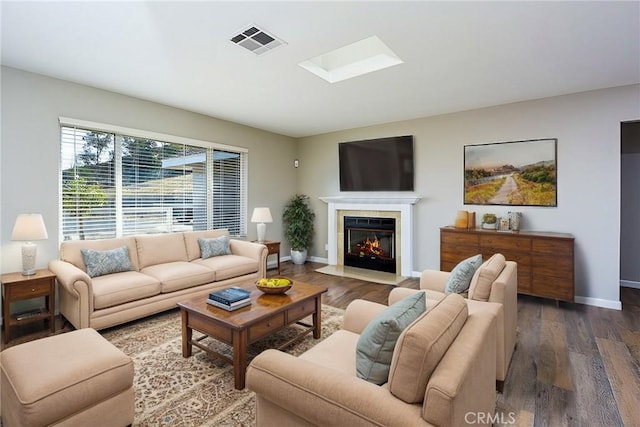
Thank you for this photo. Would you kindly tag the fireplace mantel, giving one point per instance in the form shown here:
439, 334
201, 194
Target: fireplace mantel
412, 200
401, 204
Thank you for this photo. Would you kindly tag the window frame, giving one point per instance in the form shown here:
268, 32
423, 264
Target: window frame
119, 131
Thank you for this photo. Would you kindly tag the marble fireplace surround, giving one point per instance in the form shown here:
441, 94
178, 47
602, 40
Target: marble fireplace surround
400, 207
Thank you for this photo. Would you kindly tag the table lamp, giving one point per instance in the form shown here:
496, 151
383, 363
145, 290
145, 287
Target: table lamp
29, 227
261, 216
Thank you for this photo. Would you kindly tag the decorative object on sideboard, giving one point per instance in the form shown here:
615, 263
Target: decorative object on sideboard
462, 219
515, 218
27, 228
465, 219
471, 220
489, 221
504, 223
298, 226
262, 216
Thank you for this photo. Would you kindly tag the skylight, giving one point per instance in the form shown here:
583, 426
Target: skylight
356, 59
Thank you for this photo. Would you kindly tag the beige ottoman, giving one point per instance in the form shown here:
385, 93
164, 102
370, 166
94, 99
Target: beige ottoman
73, 379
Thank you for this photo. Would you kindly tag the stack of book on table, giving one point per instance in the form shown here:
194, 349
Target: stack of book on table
230, 299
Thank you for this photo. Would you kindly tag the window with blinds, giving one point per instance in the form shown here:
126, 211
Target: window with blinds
115, 185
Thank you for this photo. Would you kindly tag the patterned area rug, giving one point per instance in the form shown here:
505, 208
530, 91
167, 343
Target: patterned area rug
197, 391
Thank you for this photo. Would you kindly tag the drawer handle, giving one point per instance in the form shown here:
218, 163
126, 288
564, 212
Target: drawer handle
268, 324
33, 290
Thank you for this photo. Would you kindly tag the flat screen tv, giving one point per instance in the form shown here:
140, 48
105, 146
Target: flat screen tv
383, 164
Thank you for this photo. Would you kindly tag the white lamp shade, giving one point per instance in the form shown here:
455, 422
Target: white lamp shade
29, 227
261, 215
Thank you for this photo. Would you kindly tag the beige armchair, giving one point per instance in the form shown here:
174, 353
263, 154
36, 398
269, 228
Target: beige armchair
443, 369
493, 289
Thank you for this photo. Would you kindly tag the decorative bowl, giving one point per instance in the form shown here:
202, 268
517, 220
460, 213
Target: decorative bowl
283, 285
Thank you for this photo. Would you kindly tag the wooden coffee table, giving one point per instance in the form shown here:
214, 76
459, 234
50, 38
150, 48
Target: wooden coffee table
266, 315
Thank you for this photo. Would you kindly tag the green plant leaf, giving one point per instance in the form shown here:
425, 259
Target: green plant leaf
298, 222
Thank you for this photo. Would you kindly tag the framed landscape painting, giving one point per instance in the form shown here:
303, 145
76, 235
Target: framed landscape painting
517, 173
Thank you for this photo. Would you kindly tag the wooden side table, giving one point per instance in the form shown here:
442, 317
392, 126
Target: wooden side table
273, 248
16, 287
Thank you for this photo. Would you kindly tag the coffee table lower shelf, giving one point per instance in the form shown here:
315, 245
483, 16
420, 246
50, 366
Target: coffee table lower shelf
196, 342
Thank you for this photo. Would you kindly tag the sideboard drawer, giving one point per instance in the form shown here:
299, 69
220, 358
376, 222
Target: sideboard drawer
504, 242
553, 287
457, 238
556, 247
559, 266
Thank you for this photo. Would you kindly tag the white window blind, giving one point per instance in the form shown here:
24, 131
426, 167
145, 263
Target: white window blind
228, 180
116, 185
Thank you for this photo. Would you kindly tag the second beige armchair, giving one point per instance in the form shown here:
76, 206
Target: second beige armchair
493, 289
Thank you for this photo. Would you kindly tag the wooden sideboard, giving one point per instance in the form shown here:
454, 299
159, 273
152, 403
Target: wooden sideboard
545, 260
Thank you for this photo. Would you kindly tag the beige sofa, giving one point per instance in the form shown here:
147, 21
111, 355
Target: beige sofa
494, 289
167, 268
442, 370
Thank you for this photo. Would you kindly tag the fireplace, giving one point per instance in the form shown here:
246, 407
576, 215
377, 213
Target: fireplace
386, 206
369, 242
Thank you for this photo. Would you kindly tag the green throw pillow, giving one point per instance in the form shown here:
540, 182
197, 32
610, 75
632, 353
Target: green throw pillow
214, 246
461, 275
99, 263
378, 339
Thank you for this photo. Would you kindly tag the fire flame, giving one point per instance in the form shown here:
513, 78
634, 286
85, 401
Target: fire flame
371, 247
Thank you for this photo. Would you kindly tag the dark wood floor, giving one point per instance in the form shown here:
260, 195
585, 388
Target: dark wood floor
574, 365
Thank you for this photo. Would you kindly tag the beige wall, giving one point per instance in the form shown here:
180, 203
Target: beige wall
587, 126
30, 146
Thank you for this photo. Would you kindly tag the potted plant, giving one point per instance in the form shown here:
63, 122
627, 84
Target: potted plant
489, 221
298, 226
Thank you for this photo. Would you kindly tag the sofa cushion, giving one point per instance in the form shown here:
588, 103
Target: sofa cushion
110, 261
70, 250
119, 288
483, 279
174, 276
156, 249
229, 266
191, 240
378, 339
422, 345
461, 275
214, 246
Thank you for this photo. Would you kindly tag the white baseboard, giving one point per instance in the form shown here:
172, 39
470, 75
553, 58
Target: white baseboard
630, 284
597, 302
273, 264
319, 259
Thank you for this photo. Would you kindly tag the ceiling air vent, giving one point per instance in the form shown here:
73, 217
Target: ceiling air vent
256, 39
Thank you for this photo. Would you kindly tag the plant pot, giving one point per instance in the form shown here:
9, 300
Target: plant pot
298, 257
488, 226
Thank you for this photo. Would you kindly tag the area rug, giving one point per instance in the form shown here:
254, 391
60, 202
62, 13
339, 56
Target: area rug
171, 390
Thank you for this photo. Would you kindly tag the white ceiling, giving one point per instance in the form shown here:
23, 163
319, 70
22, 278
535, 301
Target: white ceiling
457, 55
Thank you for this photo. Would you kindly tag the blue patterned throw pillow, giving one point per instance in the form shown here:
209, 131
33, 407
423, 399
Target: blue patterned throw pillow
215, 246
99, 263
377, 341
461, 275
